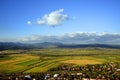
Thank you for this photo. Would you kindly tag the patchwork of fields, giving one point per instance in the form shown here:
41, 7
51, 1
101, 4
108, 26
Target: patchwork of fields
42, 60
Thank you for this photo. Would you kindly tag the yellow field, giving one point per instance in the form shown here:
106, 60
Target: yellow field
82, 62
19, 58
11, 64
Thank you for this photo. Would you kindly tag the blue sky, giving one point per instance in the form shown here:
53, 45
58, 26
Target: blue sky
76, 16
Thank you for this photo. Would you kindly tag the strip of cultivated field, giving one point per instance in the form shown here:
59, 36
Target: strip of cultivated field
46, 65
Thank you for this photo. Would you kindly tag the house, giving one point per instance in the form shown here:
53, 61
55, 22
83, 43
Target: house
118, 70
79, 74
92, 79
56, 75
85, 79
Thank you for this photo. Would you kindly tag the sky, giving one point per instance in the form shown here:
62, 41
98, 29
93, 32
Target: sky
21, 19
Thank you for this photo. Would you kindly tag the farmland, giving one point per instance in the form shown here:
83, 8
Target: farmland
41, 60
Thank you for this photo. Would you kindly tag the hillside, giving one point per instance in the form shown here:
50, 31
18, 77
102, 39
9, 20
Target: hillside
12, 45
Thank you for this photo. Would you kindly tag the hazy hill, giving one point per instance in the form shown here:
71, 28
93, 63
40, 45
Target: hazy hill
12, 45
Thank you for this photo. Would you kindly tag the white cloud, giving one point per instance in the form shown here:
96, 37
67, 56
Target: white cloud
78, 38
25, 39
41, 22
55, 18
29, 22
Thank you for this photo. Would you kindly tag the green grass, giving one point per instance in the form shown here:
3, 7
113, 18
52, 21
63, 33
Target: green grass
26, 63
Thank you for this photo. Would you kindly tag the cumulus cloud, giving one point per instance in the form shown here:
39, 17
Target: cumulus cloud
54, 18
29, 22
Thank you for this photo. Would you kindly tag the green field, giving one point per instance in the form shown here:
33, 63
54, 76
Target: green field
42, 60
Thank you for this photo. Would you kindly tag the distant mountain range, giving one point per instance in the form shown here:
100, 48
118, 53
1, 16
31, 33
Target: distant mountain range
12, 45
